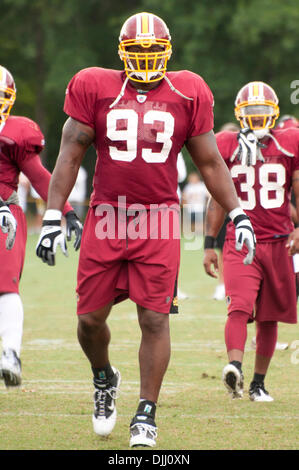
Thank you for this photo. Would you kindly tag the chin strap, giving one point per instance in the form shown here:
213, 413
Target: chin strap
122, 91
279, 147
2, 124
175, 90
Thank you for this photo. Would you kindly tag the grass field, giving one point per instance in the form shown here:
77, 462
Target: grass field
53, 408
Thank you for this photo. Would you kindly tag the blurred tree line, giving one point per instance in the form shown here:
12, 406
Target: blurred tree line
228, 42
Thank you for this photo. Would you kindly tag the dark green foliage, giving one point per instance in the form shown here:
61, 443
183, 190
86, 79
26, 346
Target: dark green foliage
229, 43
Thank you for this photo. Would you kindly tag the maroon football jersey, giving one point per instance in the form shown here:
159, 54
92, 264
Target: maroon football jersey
139, 137
20, 139
264, 189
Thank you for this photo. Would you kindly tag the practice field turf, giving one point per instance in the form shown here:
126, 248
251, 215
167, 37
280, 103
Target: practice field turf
53, 408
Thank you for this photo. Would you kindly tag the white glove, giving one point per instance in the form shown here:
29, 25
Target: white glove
8, 225
244, 233
249, 147
51, 236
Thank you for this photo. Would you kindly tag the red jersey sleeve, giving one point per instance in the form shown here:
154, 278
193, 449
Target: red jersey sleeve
80, 98
203, 116
34, 140
40, 177
227, 143
27, 136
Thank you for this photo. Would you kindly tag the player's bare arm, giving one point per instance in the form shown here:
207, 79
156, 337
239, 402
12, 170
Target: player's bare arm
214, 219
76, 138
205, 154
215, 215
293, 240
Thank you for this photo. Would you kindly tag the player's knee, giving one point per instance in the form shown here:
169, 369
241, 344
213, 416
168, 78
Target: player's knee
89, 322
154, 323
238, 316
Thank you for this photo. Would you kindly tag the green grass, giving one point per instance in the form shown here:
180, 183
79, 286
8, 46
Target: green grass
53, 408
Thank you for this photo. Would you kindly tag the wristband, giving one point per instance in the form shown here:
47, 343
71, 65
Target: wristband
239, 218
52, 217
235, 212
209, 242
52, 214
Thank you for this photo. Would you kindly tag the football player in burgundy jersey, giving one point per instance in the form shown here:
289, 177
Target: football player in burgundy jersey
21, 142
138, 119
264, 164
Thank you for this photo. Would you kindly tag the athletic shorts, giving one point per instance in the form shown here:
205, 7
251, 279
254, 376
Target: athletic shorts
124, 256
265, 289
12, 261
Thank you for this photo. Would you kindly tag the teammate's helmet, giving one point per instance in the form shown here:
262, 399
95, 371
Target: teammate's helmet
7, 93
256, 106
149, 32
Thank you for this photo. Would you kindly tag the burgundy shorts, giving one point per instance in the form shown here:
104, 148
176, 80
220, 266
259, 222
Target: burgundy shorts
124, 256
12, 261
266, 289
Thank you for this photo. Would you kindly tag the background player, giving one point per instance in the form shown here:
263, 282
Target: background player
264, 164
138, 121
21, 141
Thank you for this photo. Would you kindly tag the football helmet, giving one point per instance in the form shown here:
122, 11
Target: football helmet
145, 47
7, 93
256, 107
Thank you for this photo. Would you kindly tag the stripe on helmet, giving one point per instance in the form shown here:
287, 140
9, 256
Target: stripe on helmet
144, 25
256, 91
2, 76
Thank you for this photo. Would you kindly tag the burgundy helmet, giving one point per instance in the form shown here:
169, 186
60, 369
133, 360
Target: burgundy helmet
256, 106
145, 47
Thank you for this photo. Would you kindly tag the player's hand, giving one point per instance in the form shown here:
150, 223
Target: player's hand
8, 225
51, 236
293, 242
73, 224
245, 236
210, 262
248, 150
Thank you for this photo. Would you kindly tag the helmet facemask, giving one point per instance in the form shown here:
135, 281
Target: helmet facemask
260, 118
145, 66
7, 99
7, 93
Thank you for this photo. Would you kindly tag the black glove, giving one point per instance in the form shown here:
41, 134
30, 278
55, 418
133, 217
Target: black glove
73, 224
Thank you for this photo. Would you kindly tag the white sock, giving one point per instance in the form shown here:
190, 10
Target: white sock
11, 321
